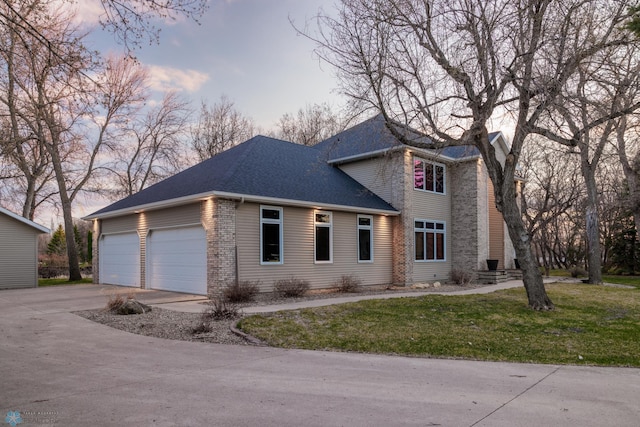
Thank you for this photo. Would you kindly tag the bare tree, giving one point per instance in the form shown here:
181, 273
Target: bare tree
312, 124
152, 149
131, 21
553, 187
585, 116
219, 127
68, 102
450, 66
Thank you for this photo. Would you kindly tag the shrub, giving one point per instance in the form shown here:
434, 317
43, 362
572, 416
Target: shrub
50, 266
348, 283
201, 327
577, 272
115, 302
291, 287
242, 291
461, 277
220, 310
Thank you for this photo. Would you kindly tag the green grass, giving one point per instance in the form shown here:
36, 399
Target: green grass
57, 282
622, 280
593, 325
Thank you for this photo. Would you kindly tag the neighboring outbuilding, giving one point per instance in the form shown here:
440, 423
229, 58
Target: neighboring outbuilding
360, 203
18, 250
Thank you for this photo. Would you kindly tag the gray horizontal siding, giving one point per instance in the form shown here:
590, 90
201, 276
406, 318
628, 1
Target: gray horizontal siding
18, 254
375, 174
298, 255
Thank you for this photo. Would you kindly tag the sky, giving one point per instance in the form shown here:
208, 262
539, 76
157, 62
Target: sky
247, 50
244, 49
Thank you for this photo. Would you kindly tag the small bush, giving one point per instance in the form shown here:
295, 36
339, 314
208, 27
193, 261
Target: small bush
242, 291
115, 302
220, 310
577, 272
461, 277
202, 328
291, 287
348, 284
50, 266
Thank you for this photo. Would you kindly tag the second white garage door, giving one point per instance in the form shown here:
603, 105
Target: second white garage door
177, 260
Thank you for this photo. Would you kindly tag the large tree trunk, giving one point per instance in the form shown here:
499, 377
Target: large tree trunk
65, 201
531, 276
594, 251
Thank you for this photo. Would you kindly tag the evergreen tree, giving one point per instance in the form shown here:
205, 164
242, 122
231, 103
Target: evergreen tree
57, 245
79, 243
90, 246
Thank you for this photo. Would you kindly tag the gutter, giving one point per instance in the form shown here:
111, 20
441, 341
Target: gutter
242, 198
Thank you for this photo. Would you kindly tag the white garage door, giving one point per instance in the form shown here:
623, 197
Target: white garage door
119, 256
177, 260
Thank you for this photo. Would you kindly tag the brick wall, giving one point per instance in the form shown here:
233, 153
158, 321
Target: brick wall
468, 215
402, 186
219, 221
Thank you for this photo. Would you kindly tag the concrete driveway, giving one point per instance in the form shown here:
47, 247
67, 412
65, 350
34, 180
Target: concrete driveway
58, 367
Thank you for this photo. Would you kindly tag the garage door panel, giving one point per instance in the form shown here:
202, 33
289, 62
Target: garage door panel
177, 260
119, 256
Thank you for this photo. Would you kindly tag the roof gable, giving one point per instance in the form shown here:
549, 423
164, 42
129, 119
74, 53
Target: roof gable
25, 221
373, 137
260, 167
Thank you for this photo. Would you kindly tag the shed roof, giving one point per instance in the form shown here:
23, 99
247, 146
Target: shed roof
38, 227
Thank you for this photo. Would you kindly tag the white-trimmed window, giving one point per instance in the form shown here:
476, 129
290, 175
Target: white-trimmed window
428, 176
365, 238
270, 235
430, 240
323, 237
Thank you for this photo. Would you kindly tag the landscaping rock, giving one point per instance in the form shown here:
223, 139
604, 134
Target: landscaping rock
132, 306
436, 284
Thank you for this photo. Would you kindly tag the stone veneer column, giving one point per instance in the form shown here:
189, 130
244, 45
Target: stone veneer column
469, 221
95, 264
219, 221
402, 184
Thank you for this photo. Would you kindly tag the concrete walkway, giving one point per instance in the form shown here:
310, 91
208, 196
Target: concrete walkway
195, 306
58, 368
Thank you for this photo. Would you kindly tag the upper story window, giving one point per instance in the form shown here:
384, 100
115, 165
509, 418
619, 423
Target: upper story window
428, 176
323, 237
270, 235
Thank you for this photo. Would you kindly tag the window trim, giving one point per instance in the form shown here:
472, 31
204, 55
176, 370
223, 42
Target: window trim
433, 165
280, 223
371, 245
435, 231
328, 225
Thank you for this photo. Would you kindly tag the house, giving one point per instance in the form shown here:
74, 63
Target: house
18, 251
359, 203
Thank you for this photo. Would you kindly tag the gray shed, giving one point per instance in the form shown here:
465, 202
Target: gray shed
18, 251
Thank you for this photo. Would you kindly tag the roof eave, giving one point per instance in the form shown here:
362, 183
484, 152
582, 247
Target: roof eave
240, 197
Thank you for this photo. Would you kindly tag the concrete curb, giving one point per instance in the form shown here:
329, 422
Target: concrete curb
250, 338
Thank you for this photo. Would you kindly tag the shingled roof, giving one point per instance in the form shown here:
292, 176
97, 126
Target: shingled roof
261, 169
373, 136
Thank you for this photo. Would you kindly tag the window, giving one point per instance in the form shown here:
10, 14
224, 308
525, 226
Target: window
429, 240
270, 235
428, 176
365, 238
323, 237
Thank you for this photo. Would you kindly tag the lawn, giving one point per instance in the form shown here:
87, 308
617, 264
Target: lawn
594, 325
63, 281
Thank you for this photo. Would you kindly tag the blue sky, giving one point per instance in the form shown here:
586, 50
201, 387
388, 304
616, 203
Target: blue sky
245, 49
